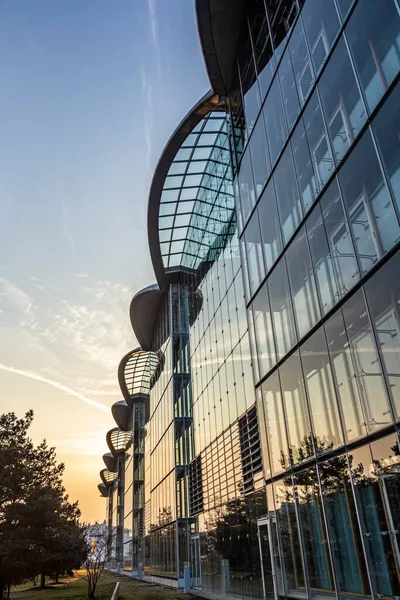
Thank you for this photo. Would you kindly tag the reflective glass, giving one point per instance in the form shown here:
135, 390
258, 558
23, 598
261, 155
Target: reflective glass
269, 224
383, 297
263, 331
373, 33
254, 253
265, 61
247, 72
377, 491
369, 207
321, 392
302, 284
318, 141
297, 418
313, 532
341, 101
289, 90
344, 7
246, 186
304, 166
281, 17
343, 261
343, 530
281, 308
275, 121
386, 127
303, 70
275, 424
345, 377
321, 25
366, 363
287, 195
259, 155
287, 525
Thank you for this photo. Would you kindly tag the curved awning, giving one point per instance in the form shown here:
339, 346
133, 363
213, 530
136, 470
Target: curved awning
123, 415
138, 371
144, 310
103, 489
108, 477
111, 462
118, 441
191, 197
218, 24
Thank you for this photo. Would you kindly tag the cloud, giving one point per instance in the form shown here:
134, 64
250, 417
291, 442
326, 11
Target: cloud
57, 385
147, 91
20, 300
151, 4
82, 275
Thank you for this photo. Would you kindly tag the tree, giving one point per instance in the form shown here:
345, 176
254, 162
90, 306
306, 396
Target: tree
97, 550
38, 525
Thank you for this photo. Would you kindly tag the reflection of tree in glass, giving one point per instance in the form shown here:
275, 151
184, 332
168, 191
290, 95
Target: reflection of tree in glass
232, 531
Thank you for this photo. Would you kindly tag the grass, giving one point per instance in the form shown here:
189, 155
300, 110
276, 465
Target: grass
76, 589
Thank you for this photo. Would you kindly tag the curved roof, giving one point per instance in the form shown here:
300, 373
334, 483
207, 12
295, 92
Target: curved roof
118, 441
123, 415
191, 198
218, 23
111, 462
108, 477
143, 313
137, 372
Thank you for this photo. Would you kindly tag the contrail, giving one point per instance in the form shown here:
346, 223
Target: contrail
57, 385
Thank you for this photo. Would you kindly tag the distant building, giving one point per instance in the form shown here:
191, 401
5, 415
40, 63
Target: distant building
258, 435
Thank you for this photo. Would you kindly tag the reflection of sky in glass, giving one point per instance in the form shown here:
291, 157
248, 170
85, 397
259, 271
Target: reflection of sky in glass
197, 199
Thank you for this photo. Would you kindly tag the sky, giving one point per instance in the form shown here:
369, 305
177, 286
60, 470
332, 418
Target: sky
90, 92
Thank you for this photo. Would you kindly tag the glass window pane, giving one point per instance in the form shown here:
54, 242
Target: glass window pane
344, 7
297, 419
301, 62
371, 214
275, 424
259, 155
373, 33
281, 17
386, 127
288, 199
302, 284
246, 186
313, 532
263, 53
377, 489
254, 253
289, 90
304, 167
263, 331
383, 297
275, 121
345, 377
343, 265
318, 141
264, 437
366, 363
341, 101
281, 308
269, 224
287, 526
343, 530
321, 393
321, 25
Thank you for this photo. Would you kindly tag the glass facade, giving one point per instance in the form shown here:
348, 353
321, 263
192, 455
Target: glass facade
269, 458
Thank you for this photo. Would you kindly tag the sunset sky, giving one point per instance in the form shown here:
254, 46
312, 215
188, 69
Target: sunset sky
90, 92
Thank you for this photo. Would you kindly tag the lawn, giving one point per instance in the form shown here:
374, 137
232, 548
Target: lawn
76, 589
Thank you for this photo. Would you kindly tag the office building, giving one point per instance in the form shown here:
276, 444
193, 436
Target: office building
261, 442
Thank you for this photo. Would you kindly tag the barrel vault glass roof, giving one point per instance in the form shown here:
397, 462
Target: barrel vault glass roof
197, 198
